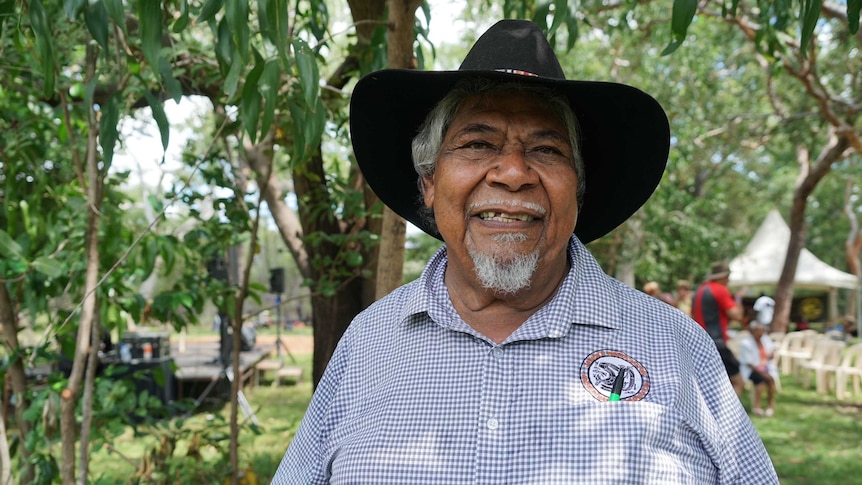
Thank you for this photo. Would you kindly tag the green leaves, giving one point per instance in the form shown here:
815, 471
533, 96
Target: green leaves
236, 13
108, 128
808, 16
96, 17
48, 266
272, 17
9, 247
44, 38
683, 13
16, 259
854, 9
150, 17
161, 118
251, 98
210, 8
306, 65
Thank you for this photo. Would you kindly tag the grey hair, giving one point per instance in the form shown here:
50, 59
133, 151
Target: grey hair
427, 143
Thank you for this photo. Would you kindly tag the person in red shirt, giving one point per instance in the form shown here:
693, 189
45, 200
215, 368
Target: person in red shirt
713, 307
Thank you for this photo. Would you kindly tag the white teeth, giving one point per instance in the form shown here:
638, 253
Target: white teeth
501, 217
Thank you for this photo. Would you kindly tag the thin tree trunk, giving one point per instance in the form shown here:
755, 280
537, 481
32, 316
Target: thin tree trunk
87, 401
809, 176
388, 257
5, 459
853, 248
69, 396
334, 315
18, 379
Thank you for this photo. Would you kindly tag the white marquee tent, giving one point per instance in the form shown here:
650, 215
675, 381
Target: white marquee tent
763, 259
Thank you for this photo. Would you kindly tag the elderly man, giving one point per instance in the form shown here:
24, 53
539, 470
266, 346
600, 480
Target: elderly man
514, 358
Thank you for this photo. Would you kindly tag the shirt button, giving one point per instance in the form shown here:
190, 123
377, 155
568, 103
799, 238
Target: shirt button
497, 353
493, 424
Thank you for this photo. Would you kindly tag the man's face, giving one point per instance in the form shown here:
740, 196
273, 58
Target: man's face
505, 183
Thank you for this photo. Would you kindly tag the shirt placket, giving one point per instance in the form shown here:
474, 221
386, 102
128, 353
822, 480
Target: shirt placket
494, 427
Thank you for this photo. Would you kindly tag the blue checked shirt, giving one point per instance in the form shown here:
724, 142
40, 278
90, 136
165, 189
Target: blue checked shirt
413, 395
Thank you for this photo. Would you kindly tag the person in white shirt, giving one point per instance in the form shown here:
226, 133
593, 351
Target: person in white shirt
757, 364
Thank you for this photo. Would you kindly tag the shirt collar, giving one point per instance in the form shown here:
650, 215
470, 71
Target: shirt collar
587, 296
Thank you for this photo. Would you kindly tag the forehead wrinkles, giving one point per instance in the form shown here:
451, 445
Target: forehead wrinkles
484, 114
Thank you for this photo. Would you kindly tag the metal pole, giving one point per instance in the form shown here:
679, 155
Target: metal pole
278, 325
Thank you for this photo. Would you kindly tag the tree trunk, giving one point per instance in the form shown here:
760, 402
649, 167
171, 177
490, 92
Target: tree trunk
388, 259
5, 459
809, 177
87, 400
853, 248
331, 318
69, 395
8, 323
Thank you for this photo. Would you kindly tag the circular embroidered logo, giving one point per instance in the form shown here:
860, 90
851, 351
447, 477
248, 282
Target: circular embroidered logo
600, 369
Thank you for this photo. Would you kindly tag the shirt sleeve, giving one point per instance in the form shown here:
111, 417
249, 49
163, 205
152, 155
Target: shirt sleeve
723, 297
303, 463
745, 460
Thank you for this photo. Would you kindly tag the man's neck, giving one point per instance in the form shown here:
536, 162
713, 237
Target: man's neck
497, 315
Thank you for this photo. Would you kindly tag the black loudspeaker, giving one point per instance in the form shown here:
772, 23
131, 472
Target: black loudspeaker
217, 268
276, 280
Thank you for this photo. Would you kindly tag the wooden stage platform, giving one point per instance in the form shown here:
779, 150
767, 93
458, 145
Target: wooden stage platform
198, 367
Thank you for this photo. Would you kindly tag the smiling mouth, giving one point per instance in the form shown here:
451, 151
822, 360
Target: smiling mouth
503, 217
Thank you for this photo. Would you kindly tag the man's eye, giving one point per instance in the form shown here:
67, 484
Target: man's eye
547, 150
478, 145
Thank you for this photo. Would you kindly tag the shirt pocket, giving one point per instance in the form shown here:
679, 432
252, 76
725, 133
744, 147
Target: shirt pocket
605, 442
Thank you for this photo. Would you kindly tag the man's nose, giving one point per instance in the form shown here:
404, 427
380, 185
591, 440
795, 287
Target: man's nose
512, 170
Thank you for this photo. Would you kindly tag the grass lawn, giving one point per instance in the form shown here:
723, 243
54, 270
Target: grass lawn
813, 438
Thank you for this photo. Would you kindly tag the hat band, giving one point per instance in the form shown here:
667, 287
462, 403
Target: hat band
518, 72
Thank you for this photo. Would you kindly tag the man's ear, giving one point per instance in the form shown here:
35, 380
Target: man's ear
428, 190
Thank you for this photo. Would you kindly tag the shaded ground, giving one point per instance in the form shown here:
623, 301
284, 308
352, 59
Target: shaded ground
300, 344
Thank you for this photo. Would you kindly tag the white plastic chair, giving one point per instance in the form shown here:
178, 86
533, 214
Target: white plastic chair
795, 345
850, 368
825, 358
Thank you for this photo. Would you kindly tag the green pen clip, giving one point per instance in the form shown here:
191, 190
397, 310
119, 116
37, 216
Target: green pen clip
617, 389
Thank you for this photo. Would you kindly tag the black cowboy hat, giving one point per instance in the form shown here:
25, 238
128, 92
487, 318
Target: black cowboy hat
624, 132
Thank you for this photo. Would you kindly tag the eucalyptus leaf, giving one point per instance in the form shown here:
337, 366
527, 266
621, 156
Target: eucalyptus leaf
150, 18
268, 87
9, 247
683, 13
210, 8
108, 127
47, 266
808, 19
183, 21
117, 12
561, 14
236, 13
44, 37
306, 65
298, 115
96, 18
251, 99
854, 10
232, 79
174, 88
224, 46
72, 7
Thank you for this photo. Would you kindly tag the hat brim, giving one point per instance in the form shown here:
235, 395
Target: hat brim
624, 136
